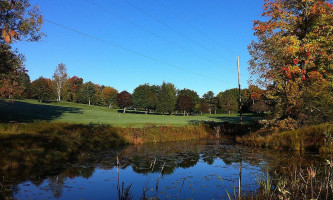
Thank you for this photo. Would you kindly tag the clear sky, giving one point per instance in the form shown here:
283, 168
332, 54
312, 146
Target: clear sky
124, 43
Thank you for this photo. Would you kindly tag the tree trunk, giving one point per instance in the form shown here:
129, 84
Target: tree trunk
124, 110
184, 113
58, 95
201, 113
89, 102
210, 111
215, 111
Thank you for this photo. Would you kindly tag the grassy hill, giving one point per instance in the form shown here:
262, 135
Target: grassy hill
32, 111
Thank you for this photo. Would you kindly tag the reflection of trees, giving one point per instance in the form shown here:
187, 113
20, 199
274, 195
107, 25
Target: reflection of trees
189, 159
37, 182
56, 184
82, 171
169, 156
210, 153
149, 158
7, 192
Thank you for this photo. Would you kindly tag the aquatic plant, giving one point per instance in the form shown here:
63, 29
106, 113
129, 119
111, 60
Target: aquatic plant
299, 182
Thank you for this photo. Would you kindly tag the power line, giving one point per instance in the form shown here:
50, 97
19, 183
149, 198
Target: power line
152, 33
192, 26
170, 28
133, 52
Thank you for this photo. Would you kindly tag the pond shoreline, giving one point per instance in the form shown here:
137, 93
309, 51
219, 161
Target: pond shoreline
48, 142
38, 148
316, 139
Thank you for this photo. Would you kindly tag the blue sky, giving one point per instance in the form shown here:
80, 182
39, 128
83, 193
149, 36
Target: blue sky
190, 43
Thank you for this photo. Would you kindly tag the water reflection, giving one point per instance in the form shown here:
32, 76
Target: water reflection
191, 170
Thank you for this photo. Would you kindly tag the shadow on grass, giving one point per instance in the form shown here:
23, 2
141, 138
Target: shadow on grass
131, 111
26, 112
247, 119
140, 112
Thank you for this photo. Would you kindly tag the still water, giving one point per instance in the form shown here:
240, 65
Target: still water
181, 170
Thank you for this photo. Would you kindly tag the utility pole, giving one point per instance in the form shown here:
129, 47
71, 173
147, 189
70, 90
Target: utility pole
239, 93
241, 120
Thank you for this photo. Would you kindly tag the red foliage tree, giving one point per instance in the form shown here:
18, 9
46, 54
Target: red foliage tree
124, 100
75, 83
293, 57
184, 103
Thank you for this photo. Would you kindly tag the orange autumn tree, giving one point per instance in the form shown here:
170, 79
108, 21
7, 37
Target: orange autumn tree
19, 20
109, 96
293, 59
11, 69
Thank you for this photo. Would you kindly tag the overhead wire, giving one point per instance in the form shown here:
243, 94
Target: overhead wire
202, 33
155, 34
134, 52
170, 28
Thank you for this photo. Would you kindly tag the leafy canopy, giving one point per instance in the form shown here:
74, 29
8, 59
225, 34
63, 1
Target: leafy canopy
19, 20
293, 58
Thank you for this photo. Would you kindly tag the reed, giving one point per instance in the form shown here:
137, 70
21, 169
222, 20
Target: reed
317, 138
45, 142
297, 182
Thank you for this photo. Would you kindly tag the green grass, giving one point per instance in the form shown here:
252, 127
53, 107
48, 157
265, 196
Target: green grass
32, 111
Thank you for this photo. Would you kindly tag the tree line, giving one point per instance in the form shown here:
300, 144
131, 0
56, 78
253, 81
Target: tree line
164, 98
291, 60
22, 21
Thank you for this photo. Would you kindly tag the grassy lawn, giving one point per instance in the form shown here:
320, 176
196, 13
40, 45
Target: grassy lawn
31, 111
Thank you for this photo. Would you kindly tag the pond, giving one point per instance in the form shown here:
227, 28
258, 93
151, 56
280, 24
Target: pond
180, 170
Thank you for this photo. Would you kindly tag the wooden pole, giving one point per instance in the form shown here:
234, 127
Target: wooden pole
240, 181
239, 93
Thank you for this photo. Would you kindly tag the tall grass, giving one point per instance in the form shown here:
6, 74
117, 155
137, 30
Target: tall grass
33, 144
317, 138
297, 182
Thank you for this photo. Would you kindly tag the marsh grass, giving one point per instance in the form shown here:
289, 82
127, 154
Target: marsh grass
317, 138
297, 182
27, 145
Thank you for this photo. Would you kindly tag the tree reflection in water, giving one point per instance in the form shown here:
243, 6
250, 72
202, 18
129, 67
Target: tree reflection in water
174, 170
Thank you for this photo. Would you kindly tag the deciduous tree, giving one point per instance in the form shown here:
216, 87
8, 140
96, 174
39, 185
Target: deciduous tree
185, 103
210, 101
193, 95
140, 97
293, 55
228, 101
203, 107
124, 100
88, 91
166, 98
11, 68
42, 89
59, 78
109, 95
259, 107
19, 21
75, 84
